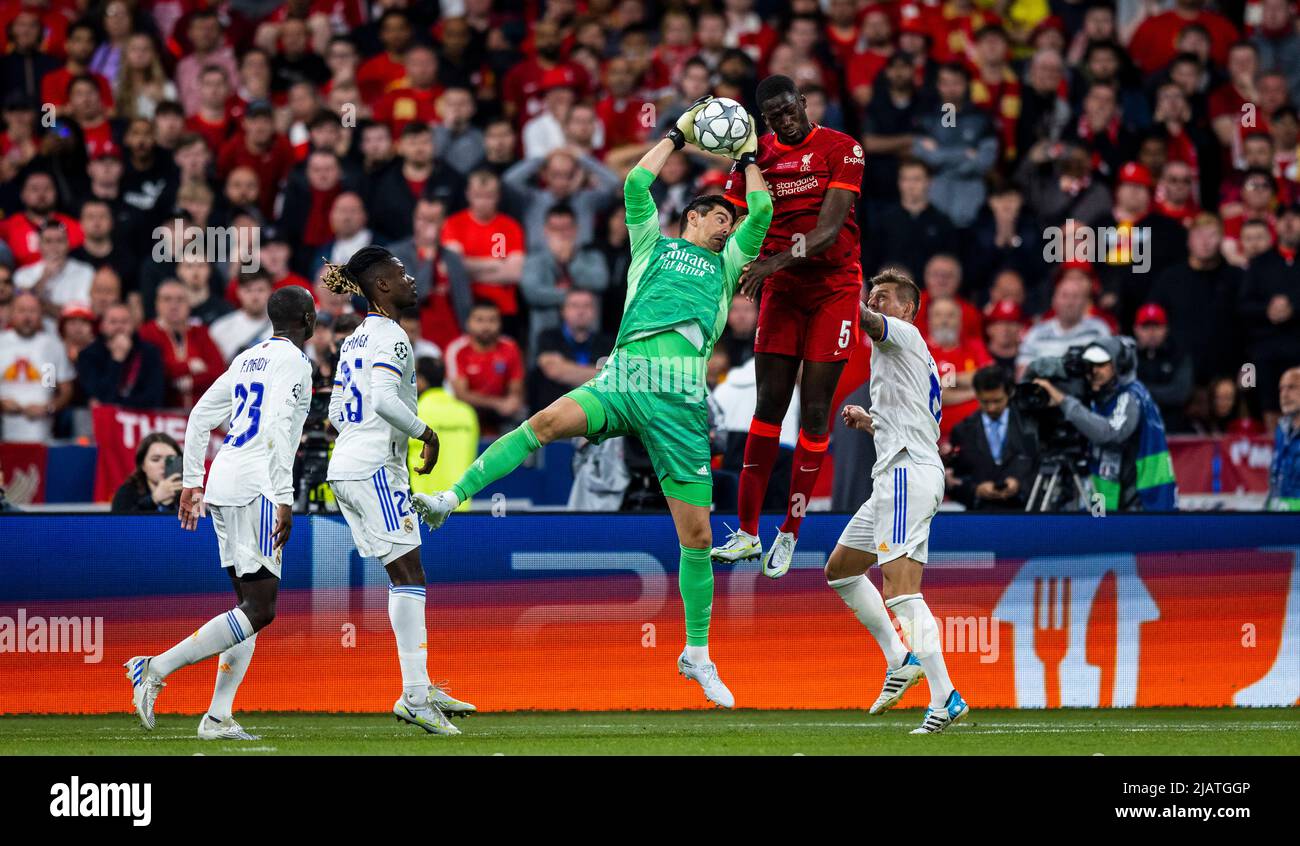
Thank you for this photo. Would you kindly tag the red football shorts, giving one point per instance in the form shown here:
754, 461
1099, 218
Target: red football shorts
815, 319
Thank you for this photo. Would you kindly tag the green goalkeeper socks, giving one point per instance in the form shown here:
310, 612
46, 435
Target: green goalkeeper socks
695, 580
506, 453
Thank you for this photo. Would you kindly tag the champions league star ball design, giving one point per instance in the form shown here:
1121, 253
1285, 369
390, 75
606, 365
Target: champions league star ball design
722, 126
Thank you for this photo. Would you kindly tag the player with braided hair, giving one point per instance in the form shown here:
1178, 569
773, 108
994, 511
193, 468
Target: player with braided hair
373, 407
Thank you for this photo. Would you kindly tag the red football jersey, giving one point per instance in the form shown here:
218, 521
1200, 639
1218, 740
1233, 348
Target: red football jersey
798, 177
489, 371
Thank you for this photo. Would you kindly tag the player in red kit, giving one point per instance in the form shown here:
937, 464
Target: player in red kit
810, 278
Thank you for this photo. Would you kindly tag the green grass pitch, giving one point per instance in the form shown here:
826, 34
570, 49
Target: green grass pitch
1146, 731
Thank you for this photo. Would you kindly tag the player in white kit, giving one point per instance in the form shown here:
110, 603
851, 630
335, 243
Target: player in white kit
373, 407
263, 396
892, 528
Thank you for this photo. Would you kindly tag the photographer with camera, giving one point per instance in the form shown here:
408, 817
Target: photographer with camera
1127, 452
155, 486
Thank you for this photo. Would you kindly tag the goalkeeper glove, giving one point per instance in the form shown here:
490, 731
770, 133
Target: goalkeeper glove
747, 153
684, 131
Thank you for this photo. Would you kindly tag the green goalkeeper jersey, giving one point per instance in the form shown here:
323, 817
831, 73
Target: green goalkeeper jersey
674, 285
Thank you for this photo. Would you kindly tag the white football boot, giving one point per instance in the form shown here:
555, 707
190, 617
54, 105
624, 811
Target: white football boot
227, 729
144, 689
740, 546
777, 561
938, 719
435, 509
707, 676
448, 704
425, 715
897, 682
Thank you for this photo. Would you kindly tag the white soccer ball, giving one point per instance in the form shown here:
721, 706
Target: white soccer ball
721, 126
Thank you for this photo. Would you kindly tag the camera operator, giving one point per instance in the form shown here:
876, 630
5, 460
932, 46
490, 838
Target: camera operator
994, 455
1128, 454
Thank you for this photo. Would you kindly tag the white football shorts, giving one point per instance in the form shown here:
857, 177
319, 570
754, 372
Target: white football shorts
379, 513
895, 521
245, 536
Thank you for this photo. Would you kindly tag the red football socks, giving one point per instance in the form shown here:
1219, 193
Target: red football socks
761, 449
808, 457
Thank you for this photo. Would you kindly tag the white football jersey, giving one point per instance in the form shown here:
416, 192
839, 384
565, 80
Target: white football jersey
264, 396
366, 441
906, 400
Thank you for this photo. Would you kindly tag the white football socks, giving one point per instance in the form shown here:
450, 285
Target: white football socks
215, 636
406, 613
698, 655
922, 633
231, 666
862, 597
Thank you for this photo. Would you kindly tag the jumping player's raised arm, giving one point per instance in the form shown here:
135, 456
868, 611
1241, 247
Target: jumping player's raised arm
888, 332
743, 246
641, 212
873, 323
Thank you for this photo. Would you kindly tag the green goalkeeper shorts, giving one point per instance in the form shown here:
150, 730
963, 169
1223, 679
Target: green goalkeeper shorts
654, 388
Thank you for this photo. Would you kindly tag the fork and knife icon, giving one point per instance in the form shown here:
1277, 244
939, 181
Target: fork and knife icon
1052, 631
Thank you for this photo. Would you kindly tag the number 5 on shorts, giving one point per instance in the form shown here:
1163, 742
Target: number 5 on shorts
846, 333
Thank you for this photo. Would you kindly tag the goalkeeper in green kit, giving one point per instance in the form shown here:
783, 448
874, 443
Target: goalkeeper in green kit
678, 293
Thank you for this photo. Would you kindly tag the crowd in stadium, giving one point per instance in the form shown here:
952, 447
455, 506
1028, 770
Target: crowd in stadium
485, 144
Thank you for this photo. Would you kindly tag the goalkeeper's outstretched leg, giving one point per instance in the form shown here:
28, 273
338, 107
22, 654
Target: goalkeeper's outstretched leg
564, 418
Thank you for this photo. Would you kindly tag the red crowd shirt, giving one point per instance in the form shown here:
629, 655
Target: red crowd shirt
23, 235
488, 371
197, 345
798, 177
1001, 99
271, 166
99, 139
623, 119
972, 321
863, 68
377, 75
500, 237
401, 106
843, 47
522, 85
55, 17
54, 88
967, 357
1152, 46
232, 287
438, 320
952, 31
214, 134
